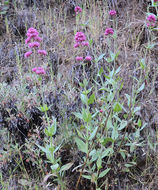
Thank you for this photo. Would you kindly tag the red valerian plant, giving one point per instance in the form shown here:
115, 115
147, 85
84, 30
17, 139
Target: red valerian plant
33, 41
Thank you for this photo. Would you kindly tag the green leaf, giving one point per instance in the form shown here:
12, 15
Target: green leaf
107, 152
95, 114
105, 89
109, 60
103, 173
86, 115
83, 147
145, 124
93, 152
106, 140
87, 176
81, 85
130, 164
123, 124
51, 130
115, 133
136, 109
101, 71
93, 133
117, 107
44, 108
55, 167
46, 132
85, 92
43, 149
142, 63
91, 99
107, 77
122, 152
84, 99
85, 82
117, 54
137, 133
57, 148
141, 88
78, 115
94, 155
109, 124
118, 70
90, 42
139, 123
6, 3
121, 86
100, 57
79, 134
99, 163
112, 55
66, 166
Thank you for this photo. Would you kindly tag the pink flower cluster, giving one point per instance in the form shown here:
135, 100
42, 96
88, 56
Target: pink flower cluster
87, 58
151, 18
32, 34
78, 10
80, 40
112, 13
152, 21
27, 54
34, 44
39, 70
155, 1
33, 40
109, 31
42, 52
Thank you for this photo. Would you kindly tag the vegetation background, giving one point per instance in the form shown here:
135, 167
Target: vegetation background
83, 125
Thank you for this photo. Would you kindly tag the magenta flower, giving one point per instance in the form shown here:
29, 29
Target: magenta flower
32, 35
78, 9
32, 30
34, 69
108, 31
37, 38
34, 44
112, 12
27, 40
80, 37
76, 45
155, 1
150, 24
151, 18
27, 54
88, 58
101, 111
85, 44
39, 70
79, 58
42, 52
